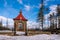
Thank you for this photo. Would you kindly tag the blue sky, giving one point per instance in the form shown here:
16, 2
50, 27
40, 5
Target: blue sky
30, 8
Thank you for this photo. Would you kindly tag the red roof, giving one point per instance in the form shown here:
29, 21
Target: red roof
20, 17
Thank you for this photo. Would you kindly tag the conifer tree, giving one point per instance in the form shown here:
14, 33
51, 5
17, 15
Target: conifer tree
40, 15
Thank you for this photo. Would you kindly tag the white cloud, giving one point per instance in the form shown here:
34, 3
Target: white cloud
1, 17
52, 10
20, 1
4, 20
36, 6
53, 7
32, 24
46, 1
27, 7
8, 10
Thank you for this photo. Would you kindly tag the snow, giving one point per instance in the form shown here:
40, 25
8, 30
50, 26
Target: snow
36, 37
20, 32
5, 31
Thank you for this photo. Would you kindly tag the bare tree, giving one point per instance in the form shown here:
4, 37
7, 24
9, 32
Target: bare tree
58, 15
7, 23
1, 23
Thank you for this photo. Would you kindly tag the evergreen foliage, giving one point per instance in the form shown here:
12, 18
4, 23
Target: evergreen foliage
40, 16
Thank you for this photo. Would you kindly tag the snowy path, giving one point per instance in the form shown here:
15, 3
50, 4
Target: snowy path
36, 37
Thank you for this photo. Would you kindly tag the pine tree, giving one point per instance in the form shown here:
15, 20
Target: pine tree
40, 15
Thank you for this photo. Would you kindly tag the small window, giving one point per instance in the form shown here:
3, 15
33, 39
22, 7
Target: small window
20, 25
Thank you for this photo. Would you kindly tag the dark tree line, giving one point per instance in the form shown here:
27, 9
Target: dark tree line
3, 27
55, 20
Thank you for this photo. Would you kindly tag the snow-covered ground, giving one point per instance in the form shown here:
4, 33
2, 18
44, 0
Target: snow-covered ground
36, 37
5, 31
17, 32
